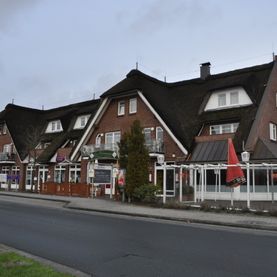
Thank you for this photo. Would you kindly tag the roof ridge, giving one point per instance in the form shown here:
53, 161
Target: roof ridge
10, 106
73, 105
136, 72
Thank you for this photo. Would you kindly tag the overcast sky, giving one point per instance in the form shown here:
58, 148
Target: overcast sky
57, 52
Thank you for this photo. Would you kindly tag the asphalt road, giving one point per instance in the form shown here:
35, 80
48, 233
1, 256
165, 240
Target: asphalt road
104, 245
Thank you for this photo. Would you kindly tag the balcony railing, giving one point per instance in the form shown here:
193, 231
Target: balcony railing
7, 157
153, 146
86, 150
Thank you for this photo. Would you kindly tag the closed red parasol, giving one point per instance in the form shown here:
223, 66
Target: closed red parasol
234, 176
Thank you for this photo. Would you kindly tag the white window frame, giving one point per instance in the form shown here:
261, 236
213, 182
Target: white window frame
98, 140
29, 176
121, 107
7, 148
149, 131
159, 130
234, 94
218, 99
233, 128
15, 172
54, 126
133, 105
114, 135
4, 130
59, 174
83, 121
75, 173
272, 131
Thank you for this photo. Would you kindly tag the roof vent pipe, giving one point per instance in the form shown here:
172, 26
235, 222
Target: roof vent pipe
205, 70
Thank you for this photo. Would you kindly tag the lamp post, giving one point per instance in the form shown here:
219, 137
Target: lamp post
245, 156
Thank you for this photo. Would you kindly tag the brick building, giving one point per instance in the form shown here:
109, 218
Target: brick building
188, 122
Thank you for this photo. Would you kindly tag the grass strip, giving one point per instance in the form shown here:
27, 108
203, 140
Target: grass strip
12, 264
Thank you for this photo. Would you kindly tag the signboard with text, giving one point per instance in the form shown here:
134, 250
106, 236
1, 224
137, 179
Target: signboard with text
102, 174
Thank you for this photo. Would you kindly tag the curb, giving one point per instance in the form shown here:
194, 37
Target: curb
35, 198
56, 266
186, 220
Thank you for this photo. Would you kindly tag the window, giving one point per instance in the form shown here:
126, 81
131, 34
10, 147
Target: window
121, 108
46, 144
58, 126
29, 176
7, 148
81, 121
159, 134
223, 128
98, 141
234, 98
15, 175
221, 100
133, 105
111, 140
3, 129
272, 131
54, 126
59, 174
75, 174
215, 130
5, 170
159, 139
147, 136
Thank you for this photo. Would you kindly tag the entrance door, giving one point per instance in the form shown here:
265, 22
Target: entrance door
42, 176
170, 181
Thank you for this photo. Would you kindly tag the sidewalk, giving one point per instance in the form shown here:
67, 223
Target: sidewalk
190, 216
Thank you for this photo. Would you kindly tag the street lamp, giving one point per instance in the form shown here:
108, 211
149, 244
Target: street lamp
245, 157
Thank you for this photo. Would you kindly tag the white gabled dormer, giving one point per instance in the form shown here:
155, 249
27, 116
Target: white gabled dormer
228, 98
81, 121
54, 127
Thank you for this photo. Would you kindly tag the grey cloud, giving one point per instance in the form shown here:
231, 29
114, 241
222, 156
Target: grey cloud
164, 13
9, 9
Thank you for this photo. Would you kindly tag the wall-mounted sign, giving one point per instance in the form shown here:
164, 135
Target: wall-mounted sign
3, 178
102, 174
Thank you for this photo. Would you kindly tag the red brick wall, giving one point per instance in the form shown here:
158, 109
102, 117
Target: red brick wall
112, 122
6, 139
267, 112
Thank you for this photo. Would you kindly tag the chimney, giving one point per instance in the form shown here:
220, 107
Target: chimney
205, 70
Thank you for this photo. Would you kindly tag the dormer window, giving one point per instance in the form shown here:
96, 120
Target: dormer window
133, 105
121, 108
223, 128
228, 98
54, 126
81, 121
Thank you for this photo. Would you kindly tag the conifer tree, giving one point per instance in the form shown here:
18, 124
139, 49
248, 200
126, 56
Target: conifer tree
123, 151
138, 159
